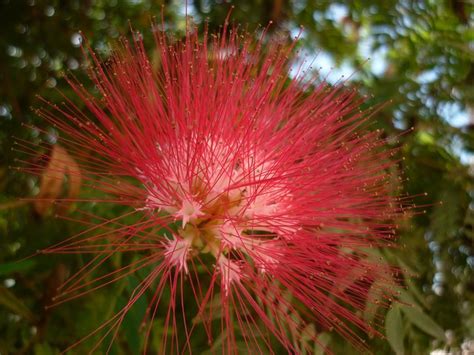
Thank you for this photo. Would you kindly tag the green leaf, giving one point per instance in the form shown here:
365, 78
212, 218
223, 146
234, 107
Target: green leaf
425, 138
8, 268
133, 319
322, 343
407, 297
45, 349
423, 321
394, 330
212, 311
10, 301
218, 346
414, 291
374, 295
306, 337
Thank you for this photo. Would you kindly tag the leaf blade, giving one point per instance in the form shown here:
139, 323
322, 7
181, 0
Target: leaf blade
394, 330
423, 321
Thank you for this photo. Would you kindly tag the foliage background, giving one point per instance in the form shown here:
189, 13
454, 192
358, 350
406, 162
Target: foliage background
421, 60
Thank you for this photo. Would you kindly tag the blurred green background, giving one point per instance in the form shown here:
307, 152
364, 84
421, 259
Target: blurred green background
421, 60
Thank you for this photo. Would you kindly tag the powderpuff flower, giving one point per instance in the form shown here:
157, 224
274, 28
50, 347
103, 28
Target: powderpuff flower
253, 197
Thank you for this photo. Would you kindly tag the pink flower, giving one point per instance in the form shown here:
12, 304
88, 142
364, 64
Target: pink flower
254, 194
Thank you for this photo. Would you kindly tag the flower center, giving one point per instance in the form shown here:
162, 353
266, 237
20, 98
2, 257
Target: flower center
221, 208
223, 225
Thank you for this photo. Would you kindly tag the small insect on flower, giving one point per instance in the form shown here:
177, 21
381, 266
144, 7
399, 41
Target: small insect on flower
255, 197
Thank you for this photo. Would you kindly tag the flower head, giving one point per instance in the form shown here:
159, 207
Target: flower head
245, 185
